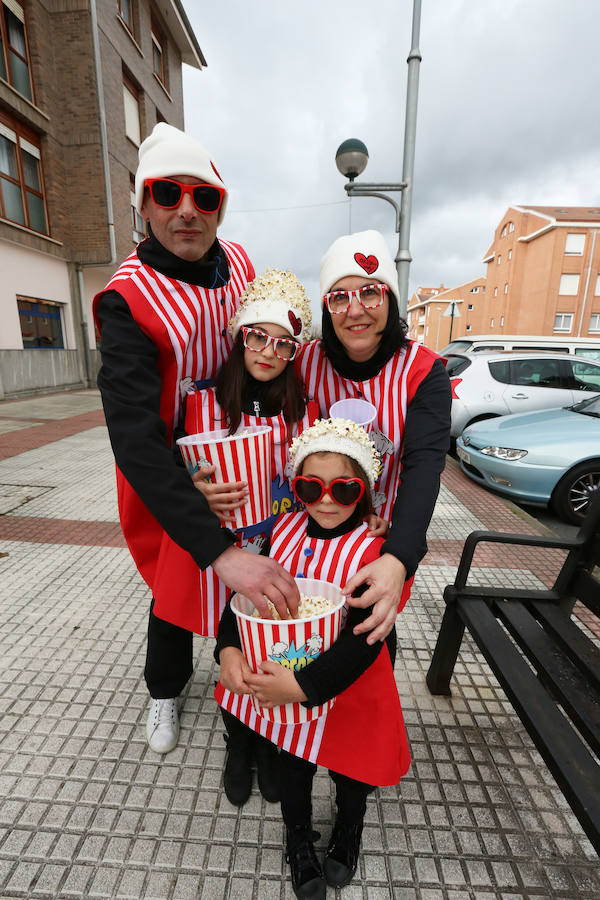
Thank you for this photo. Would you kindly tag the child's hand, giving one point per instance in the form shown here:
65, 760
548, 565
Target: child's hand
234, 670
222, 498
377, 527
276, 686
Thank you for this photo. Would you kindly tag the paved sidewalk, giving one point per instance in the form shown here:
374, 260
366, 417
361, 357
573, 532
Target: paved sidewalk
88, 810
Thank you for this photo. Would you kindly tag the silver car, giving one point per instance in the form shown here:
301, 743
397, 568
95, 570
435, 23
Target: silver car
485, 385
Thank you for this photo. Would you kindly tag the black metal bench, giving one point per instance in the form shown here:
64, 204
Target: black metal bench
546, 664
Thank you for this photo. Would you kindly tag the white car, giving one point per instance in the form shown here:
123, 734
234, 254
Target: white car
485, 385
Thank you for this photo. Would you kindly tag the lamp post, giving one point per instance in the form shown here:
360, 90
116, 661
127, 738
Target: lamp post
352, 156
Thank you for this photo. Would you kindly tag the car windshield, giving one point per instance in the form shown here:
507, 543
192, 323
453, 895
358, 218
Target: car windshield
589, 407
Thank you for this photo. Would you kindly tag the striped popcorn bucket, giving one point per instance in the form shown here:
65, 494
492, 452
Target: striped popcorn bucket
238, 457
293, 643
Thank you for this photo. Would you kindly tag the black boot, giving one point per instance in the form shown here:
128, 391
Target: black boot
237, 777
307, 876
341, 858
268, 768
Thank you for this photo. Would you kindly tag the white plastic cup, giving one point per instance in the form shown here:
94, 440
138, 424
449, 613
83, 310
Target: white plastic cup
294, 643
238, 457
356, 410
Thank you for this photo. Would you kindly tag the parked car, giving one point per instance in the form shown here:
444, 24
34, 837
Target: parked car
485, 385
549, 457
556, 343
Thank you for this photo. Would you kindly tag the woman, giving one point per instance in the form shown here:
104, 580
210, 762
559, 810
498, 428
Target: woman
364, 353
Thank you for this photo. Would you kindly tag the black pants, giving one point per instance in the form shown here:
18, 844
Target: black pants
296, 788
169, 658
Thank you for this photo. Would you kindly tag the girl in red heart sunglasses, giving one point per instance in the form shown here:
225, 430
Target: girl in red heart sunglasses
361, 740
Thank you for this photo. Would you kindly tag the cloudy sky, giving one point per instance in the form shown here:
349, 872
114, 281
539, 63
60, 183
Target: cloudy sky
508, 114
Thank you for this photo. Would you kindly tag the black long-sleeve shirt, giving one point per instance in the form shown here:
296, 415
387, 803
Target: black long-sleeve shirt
337, 668
131, 386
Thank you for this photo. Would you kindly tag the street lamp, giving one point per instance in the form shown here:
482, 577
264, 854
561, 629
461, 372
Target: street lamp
352, 156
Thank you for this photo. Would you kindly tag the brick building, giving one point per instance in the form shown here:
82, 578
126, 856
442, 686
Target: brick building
81, 84
543, 277
428, 321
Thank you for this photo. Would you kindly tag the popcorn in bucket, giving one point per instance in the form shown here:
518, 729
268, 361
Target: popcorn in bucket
361, 412
293, 643
245, 456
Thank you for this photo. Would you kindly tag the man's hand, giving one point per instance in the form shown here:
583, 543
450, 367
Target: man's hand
275, 686
234, 670
259, 578
385, 577
223, 498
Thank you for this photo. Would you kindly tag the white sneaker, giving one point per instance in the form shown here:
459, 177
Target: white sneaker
162, 727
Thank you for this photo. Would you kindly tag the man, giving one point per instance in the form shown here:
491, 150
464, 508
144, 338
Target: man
163, 317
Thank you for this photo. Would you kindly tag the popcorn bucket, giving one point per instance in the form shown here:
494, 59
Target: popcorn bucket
238, 457
359, 411
293, 643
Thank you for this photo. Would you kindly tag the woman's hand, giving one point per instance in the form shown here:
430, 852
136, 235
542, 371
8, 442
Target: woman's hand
234, 670
223, 498
385, 577
377, 527
259, 578
275, 686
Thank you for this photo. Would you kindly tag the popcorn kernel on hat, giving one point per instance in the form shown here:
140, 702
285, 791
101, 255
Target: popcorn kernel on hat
364, 253
337, 436
276, 297
167, 151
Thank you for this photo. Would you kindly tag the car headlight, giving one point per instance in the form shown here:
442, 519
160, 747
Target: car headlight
503, 452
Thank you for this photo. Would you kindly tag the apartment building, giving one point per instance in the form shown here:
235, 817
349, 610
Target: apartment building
82, 83
542, 278
434, 314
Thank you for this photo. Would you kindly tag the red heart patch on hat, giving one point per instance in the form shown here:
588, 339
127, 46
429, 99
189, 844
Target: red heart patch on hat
368, 263
295, 322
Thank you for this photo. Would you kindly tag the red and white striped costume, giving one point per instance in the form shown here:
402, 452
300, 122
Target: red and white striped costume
390, 391
194, 598
188, 325
363, 735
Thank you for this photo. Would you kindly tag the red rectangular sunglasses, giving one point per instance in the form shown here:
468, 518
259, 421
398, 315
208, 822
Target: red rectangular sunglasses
168, 194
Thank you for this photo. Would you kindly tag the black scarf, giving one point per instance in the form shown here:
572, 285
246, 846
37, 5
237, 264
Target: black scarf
210, 272
314, 530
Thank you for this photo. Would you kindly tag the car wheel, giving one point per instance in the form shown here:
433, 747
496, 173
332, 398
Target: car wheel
575, 490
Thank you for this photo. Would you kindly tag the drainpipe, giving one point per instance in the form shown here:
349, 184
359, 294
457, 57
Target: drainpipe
587, 282
112, 260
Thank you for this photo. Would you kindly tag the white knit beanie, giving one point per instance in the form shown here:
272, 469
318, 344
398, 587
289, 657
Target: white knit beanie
168, 152
276, 297
364, 253
337, 436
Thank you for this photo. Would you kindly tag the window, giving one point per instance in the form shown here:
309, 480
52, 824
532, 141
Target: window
532, 372
569, 285
21, 185
474, 290
501, 321
125, 8
597, 291
495, 292
510, 254
14, 55
499, 258
586, 376
470, 306
131, 103
158, 54
563, 321
468, 327
511, 227
138, 224
506, 288
41, 325
503, 232
491, 323
595, 322
574, 244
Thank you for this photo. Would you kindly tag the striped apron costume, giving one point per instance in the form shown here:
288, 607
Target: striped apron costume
363, 735
194, 598
391, 392
187, 323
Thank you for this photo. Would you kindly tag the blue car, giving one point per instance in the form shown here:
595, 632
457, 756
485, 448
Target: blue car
549, 457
